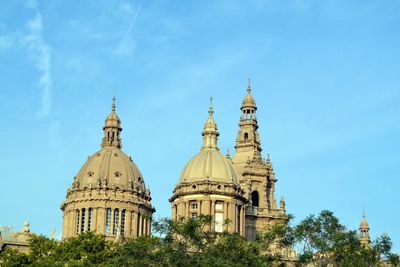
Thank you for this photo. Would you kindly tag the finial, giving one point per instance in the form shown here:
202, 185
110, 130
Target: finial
210, 111
248, 86
113, 104
364, 213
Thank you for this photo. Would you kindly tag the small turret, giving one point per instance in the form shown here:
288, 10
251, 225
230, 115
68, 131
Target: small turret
364, 231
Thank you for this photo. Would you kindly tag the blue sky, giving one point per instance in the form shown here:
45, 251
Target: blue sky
325, 76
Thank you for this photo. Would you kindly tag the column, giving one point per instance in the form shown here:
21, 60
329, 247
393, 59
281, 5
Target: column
232, 214
212, 213
242, 221
134, 224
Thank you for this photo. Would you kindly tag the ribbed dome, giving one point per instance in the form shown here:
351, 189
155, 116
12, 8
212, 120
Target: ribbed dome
249, 101
112, 167
209, 165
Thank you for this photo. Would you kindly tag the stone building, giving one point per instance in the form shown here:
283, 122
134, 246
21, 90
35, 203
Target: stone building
241, 189
209, 185
257, 177
15, 240
108, 195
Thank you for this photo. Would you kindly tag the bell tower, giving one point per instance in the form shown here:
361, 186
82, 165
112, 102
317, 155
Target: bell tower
257, 175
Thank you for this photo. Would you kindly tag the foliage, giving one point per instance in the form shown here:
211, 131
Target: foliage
324, 240
321, 240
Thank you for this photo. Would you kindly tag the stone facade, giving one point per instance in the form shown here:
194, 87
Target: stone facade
244, 185
209, 185
108, 195
257, 177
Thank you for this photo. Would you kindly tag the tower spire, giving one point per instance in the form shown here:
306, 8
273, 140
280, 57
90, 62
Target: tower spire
248, 86
112, 129
210, 131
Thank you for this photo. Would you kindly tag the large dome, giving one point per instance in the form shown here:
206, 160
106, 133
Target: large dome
112, 168
209, 165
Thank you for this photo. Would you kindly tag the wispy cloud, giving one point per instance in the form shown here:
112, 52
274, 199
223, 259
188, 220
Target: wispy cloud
40, 52
127, 44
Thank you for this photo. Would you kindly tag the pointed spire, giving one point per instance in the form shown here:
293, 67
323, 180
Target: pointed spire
248, 86
112, 129
210, 131
113, 104
210, 110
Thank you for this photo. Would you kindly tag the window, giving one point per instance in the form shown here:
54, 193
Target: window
193, 215
246, 136
90, 219
239, 208
138, 225
77, 222
123, 222
193, 206
115, 223
108, 221
255, 198
83, 221
219, 217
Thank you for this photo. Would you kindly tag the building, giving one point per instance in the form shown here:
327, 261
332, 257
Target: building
108, 195
209, 185
15, 240
240, 190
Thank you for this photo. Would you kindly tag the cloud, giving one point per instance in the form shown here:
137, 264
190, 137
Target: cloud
127, 44
40, 53
125, 47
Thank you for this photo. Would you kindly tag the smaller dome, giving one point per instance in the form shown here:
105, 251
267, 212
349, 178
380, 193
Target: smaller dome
248, 101
209, 165
364, 223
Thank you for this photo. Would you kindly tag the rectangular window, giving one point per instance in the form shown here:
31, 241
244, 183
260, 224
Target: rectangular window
115, 224
108, 221
83, 221
90, 219
219, 219
193, 206
219, 206
123, 222
77, 222
194, 215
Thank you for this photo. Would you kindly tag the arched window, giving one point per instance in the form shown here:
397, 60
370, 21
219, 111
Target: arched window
77, 222
246, 136
83, 221
123, 222
108, 221
115, 223
255, 198
90, 219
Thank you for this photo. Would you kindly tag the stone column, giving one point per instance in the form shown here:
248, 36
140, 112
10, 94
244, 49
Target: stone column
232, 214
173, 211
134, 223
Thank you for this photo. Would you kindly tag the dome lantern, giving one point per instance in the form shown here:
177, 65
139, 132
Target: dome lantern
112, 129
